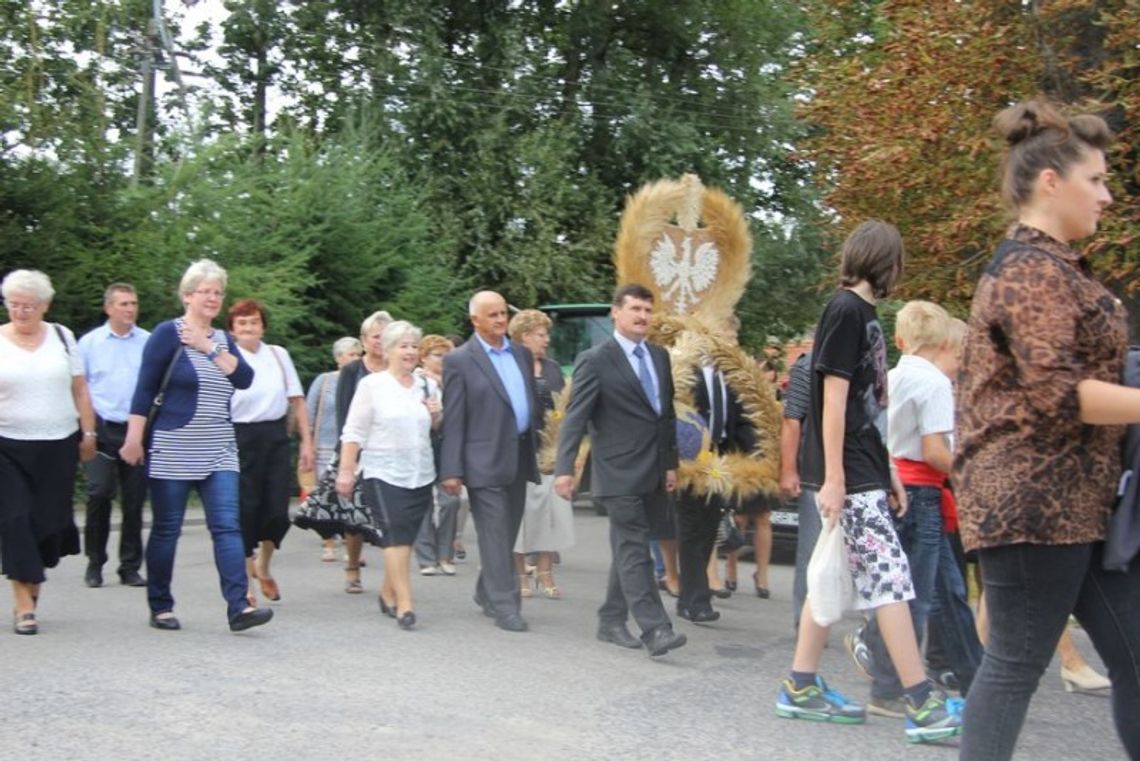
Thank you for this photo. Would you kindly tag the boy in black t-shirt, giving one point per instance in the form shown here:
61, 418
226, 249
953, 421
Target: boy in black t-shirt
844, 459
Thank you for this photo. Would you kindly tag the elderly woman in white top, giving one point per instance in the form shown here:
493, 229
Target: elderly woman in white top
260, 415
388, 432
321, 404
46, 425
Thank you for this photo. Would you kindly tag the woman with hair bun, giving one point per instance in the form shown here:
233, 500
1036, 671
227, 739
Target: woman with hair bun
1039, 434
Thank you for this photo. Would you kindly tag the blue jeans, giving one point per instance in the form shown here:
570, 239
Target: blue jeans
219, 495
920, 534
807, 534
1030, 591
953, 618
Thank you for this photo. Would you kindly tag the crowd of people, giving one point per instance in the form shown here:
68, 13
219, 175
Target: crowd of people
996, 440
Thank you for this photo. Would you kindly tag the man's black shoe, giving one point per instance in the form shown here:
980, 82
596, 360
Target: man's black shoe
708, 615
663, 639
488, 611
132, 579
250, 618
94, 576
165, 622
512, 622
617, 634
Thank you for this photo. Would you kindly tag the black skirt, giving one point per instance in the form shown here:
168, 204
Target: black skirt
396, 511
266, 481
37, 514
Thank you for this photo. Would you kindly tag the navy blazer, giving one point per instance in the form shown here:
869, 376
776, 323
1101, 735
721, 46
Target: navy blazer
481, 443
631, 446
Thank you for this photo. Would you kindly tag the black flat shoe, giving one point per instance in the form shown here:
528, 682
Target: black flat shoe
164, 621
512, 622
662, 640
730, 585
706, 616
721, 594
386, 609
25, 623
617, 634
407, 621
132, 579
94, 576
248, 619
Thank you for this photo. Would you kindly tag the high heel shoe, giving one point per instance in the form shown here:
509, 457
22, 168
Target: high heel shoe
762, 592
548, 590
524, 585
386, 609
407, 620
1083, 679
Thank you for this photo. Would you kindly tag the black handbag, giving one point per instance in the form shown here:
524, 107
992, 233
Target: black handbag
329, 514
728, 537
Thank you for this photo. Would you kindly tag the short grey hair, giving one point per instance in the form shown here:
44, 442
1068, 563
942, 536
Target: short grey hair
345, 345
375, 320
31, 282
398, 331
113, 288
199, 272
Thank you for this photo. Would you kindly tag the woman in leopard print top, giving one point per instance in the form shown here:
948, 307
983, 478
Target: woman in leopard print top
1039, 431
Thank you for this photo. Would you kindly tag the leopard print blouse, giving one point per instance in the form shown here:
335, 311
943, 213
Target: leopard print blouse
1026, 468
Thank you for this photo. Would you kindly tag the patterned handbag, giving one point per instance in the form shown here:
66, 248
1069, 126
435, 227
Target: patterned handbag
329, 514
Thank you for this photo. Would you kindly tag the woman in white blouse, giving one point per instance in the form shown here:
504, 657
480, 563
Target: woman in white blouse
388, 433
47, 425
260, 415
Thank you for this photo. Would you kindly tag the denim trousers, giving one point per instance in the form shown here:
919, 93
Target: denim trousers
1030, 591
952, 619
920, 534
219, 495
807, 534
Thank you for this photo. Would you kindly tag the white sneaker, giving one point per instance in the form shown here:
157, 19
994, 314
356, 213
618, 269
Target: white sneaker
429, 570
447, 569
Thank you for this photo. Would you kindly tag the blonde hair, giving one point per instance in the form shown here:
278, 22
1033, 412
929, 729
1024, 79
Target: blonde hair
525, 322
198, 273
922, 325
956, 335
397, 331
375, 321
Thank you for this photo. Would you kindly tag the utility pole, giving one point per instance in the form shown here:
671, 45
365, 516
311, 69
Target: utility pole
144, 123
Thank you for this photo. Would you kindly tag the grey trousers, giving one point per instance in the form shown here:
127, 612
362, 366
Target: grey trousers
632, 586
806, 536
434, 542
498, 512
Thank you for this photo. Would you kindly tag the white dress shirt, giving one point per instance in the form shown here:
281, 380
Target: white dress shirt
393, 428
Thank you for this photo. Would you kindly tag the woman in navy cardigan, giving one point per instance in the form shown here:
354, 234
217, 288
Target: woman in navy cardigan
191, 444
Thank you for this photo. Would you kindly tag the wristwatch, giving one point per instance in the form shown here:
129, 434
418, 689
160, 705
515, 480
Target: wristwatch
216, 350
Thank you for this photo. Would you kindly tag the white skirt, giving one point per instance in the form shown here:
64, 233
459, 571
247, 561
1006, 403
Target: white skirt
548, 522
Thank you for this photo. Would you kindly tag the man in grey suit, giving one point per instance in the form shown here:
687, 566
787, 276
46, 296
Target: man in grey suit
622, 393
489, 446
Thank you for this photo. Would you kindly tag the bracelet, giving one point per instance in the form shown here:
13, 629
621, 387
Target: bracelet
90, 434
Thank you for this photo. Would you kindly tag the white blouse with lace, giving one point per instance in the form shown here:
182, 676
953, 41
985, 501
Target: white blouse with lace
393, 427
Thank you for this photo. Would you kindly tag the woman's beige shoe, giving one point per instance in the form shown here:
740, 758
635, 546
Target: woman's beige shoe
1083, 679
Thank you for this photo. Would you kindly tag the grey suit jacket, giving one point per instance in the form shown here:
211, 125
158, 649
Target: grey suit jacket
480, 439
631, 447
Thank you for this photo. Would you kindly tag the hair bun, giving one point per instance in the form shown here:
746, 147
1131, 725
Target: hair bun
1024, 120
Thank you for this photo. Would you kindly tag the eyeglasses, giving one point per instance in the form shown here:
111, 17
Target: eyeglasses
16, 306
208, 292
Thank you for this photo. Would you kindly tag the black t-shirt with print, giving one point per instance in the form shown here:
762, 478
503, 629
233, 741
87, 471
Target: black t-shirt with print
849, 343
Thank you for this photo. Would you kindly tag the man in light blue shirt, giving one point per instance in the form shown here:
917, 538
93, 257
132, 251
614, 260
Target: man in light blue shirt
112, 354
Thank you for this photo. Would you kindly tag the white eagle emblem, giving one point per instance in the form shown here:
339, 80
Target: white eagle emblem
683, 275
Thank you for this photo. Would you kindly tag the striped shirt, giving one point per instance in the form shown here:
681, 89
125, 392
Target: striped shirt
797, 402
204, 445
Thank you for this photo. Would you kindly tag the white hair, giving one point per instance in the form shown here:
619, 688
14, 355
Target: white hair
397, 332
373, 321
199, 272
32, 282
472, 305
345, 345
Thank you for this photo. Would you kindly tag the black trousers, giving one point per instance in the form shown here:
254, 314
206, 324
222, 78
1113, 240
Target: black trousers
632, 587
266, 481
697, 521
106, 475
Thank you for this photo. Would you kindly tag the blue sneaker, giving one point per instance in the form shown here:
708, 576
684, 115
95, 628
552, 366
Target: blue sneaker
939, 718
817, 702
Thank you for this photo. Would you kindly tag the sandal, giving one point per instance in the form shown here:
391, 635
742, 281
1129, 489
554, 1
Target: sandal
352, 585
250, 598
549, 591
25, 623
269, 588
524, 585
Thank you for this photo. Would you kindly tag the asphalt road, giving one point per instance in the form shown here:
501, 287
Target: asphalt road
330, 678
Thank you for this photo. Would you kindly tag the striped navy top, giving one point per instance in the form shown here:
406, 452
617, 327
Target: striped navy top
206, 444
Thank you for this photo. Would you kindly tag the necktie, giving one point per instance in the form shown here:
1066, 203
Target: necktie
645, 378
717, 411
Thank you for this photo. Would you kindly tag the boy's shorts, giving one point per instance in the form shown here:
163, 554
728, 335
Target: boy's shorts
878, 564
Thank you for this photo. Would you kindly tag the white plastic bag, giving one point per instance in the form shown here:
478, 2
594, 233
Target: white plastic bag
830, 588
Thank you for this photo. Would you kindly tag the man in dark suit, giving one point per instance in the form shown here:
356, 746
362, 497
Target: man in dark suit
698, 516
489, 445
622, 392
